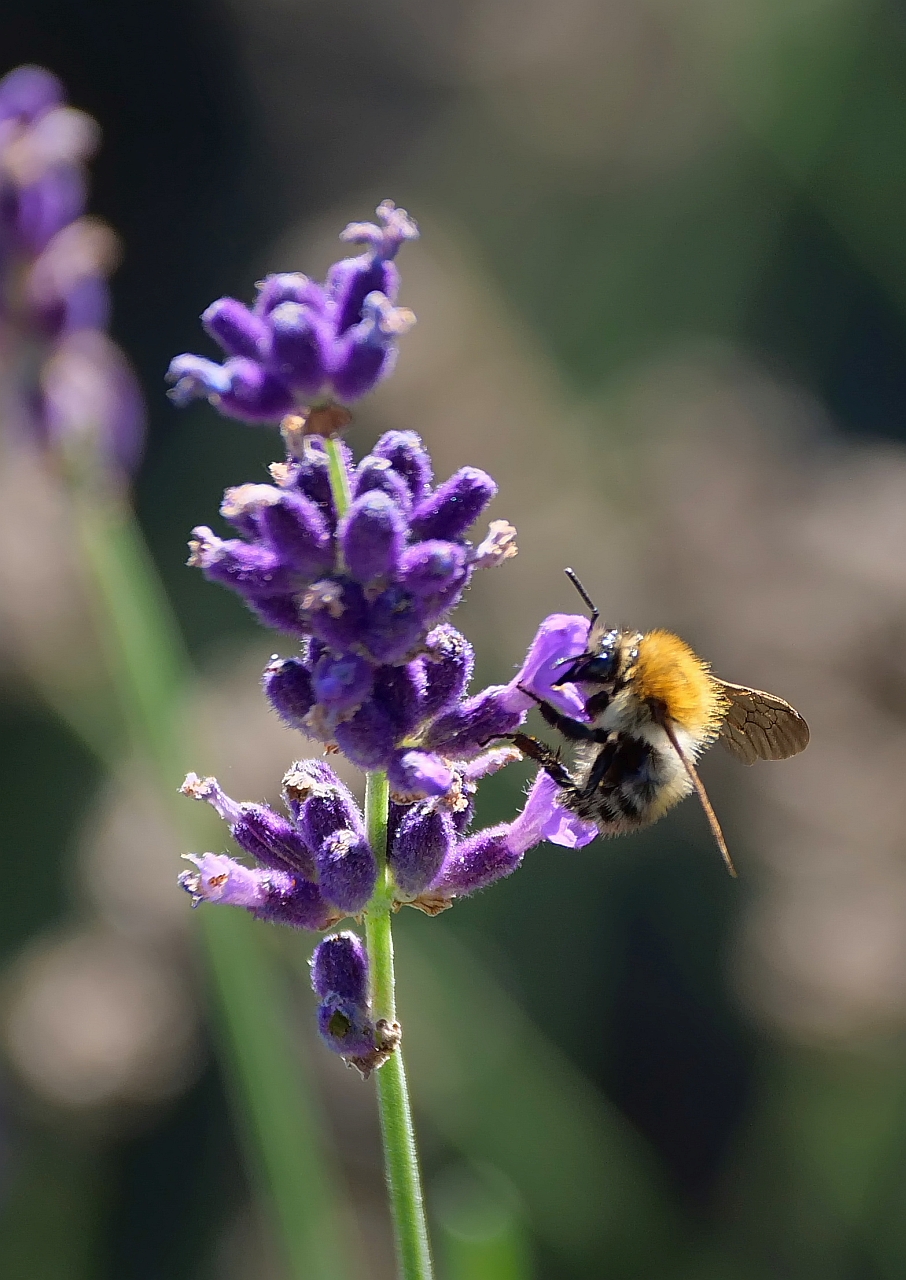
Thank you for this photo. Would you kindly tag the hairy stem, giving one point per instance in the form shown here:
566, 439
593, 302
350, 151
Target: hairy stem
400, 1155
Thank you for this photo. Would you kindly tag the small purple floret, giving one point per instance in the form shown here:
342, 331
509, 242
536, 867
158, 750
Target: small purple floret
560, 636
372, 535
454, 506
421, 843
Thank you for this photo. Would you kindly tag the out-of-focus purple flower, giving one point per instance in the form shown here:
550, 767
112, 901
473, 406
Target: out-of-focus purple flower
75, 390
302, 341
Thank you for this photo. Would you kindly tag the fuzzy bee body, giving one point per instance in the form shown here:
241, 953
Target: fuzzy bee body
653, 707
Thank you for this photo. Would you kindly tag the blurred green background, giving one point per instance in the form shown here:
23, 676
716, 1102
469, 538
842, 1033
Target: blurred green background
661, 294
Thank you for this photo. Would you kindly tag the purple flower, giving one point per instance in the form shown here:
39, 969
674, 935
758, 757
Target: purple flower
376, 676
303, 341
73, 390
318, 866
561, 636
339, 976
489, 855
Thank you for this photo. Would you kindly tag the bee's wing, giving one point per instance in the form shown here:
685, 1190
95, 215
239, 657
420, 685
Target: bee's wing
760, 726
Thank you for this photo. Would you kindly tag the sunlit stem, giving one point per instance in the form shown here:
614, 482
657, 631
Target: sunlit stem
400, 1155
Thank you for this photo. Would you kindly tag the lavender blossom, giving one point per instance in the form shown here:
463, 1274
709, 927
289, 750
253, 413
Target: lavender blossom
304, 342
73, 389
380, 674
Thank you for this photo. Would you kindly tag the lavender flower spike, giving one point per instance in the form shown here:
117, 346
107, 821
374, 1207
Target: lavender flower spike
72, 390
304, 342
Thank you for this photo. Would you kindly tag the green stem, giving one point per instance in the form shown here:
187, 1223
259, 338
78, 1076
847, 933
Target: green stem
149, 669
339, 476
400, 1155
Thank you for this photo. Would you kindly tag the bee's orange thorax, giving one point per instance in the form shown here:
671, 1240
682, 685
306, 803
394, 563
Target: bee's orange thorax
668, 672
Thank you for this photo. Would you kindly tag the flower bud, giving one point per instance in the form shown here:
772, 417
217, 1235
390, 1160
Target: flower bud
369, 736
298, 532
339, 967
287, 286
436, 573
272, 840
336, 611
346, 1028
409, 459
342, 684
376, 474
477, 862
287, 684
395, 625
421, 843
319, 802
347, 869
300, 346
449, 511
469, 728
249, 568
253, 392
398, 691
447, 664
372, 535
236, 329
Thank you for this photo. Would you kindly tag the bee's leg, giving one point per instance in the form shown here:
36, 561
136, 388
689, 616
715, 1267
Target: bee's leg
542, 754
575, 730
599, 769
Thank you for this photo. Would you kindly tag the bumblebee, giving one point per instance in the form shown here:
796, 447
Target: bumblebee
653, 708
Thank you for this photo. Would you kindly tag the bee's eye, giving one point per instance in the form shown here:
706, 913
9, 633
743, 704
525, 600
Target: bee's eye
600, 668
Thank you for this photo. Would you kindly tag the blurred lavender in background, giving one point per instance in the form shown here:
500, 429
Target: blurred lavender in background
62, 377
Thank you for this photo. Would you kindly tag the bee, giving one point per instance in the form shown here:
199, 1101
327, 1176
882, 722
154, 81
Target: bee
653, 708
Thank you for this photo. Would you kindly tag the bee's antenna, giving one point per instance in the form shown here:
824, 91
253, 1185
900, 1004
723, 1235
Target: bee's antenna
595, 612
702, 795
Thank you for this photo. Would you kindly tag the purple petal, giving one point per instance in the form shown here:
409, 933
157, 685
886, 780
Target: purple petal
415, 774
222, 879
560, 636
543, 818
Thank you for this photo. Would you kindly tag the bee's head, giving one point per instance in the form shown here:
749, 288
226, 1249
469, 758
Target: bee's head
602, 663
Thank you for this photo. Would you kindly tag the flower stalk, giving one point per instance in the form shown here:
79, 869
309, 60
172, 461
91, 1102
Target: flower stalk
407, 1204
